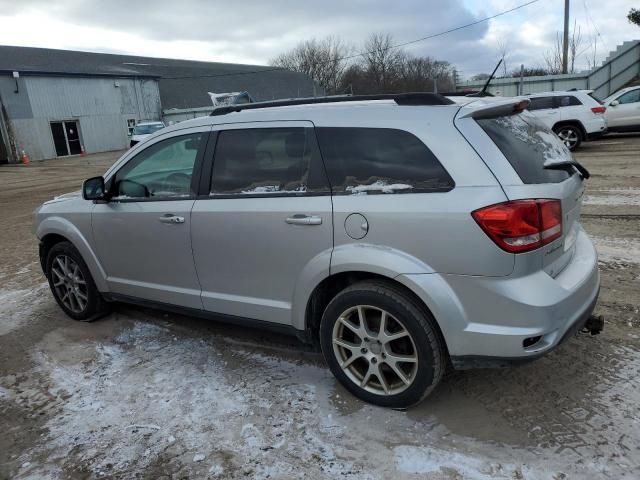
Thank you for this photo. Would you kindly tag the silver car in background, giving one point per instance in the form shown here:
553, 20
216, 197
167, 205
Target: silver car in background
400, 233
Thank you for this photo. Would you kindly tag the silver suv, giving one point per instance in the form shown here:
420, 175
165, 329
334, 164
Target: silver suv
402, 233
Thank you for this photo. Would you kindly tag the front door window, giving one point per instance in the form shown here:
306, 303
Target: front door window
160, 171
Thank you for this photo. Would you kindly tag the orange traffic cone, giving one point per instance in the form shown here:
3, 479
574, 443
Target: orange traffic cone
24, 158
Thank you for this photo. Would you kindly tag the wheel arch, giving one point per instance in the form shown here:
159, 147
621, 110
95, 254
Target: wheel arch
573, 123
53, 230
330, 286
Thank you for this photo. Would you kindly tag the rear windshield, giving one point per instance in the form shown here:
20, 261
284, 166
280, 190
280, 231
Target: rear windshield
527, 145
596, 98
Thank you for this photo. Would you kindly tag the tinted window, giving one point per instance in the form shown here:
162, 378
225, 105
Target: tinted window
527, 145
267, 161
162, 170
540, 103
567, 101
630, 97
380, 160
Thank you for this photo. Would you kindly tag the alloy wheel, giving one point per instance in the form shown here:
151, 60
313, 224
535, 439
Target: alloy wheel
375, 350
69, 283
569, 137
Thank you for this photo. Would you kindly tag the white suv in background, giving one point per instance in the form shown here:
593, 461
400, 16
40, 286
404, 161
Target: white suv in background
623, 110
574, 115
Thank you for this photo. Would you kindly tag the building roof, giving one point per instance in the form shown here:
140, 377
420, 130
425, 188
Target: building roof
183, 83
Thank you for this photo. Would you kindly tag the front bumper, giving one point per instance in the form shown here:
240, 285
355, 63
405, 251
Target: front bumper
505, 320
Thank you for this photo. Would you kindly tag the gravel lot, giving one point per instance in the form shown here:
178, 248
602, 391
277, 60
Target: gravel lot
146, 394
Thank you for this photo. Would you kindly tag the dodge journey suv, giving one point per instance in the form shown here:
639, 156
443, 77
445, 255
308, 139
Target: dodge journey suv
403, 234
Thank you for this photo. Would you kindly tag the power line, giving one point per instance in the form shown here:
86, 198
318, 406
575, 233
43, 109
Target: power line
360, 54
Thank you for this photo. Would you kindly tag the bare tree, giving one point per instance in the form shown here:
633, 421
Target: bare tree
322, 60
553, 57
574, 46
503, 52
381, 61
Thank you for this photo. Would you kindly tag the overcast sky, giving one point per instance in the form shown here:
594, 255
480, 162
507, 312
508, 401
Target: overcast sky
254, 31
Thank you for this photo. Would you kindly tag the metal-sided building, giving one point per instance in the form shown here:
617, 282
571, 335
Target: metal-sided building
55, 103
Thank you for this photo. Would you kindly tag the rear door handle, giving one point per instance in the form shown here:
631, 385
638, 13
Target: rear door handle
304, 220
170, 218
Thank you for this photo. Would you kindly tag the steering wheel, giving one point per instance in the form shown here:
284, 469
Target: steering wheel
178, 183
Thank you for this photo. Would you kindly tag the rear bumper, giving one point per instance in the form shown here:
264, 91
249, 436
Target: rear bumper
466, 362
596, 135
499, 319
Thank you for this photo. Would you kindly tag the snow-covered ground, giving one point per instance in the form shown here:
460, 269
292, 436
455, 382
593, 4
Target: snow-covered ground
613, 196
617, 250
145, 394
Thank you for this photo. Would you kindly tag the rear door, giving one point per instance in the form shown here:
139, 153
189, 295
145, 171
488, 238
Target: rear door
517, 148
262, 227
545, 109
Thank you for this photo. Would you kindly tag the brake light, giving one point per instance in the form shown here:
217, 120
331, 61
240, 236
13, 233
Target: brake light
599, 109
520, 226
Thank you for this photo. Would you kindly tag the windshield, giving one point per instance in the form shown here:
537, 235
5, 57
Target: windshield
147, 129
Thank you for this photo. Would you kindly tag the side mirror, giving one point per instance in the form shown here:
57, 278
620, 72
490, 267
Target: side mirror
614, 103
93, 189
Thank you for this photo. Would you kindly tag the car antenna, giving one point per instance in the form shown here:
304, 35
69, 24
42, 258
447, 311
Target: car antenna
483, 92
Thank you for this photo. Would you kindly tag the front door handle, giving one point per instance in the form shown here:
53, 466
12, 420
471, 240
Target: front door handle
304, 220
170, 218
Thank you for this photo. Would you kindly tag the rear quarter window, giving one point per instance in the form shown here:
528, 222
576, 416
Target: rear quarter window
527, 145
380, 160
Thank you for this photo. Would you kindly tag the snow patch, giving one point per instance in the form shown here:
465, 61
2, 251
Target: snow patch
617, 250
16, 307
423, 460
613, 196
378, 186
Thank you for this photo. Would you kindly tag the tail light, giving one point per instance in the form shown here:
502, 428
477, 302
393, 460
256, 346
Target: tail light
599, 109
521, 225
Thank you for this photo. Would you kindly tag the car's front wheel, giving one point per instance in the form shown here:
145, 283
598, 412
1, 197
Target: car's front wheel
381, 345
71, 283
570, 135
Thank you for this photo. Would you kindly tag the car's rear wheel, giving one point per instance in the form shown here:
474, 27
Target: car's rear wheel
71, 283
381, 345
570, 135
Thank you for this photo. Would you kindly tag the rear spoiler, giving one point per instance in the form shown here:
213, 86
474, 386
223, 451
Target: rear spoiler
493, 108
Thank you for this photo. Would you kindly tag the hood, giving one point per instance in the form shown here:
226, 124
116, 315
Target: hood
64, 197
139, 138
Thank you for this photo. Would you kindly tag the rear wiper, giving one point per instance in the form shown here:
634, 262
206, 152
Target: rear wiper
562, 165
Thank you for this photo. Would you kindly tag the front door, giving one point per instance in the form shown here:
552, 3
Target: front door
265, 228
627, 112
143, 234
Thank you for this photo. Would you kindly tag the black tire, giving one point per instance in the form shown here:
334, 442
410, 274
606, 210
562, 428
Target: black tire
427, 342
570, 135
95, 306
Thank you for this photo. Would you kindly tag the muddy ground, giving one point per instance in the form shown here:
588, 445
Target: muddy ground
146, 394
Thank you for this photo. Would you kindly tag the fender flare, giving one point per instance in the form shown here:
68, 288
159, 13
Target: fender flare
354, 257
64, 228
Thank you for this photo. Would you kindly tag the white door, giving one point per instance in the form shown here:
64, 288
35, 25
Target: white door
627, 112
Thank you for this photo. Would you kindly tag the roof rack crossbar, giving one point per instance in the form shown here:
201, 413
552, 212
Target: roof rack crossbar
418, 98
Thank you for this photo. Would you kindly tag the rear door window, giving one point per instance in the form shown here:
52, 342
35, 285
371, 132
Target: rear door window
541, 103
527, 145
379, 160
267, 161
567, 101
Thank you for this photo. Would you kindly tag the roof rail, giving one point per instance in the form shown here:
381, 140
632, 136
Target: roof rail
418, 98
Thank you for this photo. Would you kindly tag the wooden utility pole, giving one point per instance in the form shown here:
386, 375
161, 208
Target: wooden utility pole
565, 42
